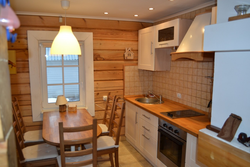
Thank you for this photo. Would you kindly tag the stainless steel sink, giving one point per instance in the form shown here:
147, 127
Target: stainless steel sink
147, 100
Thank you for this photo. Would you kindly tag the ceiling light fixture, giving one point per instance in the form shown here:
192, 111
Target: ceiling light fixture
106, 13
65, 42
136, 15
151, 9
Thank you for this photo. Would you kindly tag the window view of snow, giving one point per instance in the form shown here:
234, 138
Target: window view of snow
62, 77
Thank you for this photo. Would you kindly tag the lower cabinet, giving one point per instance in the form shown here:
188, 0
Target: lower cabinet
148, 141
191, 150
131, 123
141, 131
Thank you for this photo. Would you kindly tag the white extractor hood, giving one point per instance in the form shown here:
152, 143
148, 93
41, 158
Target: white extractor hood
191, 46
193, 40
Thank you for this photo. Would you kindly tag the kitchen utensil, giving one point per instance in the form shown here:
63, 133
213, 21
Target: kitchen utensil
243, 139
230, 127
213, 128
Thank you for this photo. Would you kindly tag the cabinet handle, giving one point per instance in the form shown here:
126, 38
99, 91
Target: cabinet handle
146, 128
164, 44
146, 137
151, 48
136, 118
146, 116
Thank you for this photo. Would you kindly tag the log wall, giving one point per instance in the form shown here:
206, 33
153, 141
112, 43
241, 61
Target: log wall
110, 40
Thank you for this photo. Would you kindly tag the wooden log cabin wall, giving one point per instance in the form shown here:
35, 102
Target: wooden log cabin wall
110, 39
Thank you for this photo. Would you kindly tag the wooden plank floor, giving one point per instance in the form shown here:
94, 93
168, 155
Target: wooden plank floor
128, 156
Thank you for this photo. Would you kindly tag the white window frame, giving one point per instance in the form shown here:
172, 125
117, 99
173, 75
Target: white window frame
49, 106
34, 37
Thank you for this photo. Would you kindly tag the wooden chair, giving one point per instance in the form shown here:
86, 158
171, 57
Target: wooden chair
36, 155
106, 144
30, 137
106, 123
82, 157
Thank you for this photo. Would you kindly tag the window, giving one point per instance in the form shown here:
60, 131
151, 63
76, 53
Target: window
42, 96
61, 75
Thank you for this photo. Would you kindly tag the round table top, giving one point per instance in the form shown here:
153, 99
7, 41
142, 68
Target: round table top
70, 119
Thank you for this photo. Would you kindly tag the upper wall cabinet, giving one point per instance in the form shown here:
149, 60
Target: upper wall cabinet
146, 49
154, 55
150, 58
171, 33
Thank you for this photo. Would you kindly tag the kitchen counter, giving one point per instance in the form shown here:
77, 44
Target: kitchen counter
191, 125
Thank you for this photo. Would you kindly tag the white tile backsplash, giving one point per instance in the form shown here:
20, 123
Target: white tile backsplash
186, 77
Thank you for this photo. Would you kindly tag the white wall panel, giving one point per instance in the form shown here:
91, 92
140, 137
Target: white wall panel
231, 92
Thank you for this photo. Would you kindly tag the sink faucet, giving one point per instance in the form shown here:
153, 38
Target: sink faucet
159, 97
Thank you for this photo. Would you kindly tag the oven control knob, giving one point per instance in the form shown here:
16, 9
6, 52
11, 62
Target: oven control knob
165, 125
176, 131
170, 128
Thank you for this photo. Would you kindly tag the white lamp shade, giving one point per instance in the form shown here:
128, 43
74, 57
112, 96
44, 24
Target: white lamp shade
65, 43
61, 100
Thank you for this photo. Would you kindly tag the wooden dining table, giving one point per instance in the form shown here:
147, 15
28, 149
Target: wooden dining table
81, 117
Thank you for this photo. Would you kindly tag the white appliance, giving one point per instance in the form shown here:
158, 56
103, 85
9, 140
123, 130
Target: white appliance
193, 40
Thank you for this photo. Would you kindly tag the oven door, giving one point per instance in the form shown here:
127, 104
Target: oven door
171, 149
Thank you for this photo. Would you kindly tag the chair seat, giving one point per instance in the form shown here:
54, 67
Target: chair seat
33, 136
104, 128
39, 152
75, 159
103, 142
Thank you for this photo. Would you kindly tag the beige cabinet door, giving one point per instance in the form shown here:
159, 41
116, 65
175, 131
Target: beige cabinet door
146, 49
131, 129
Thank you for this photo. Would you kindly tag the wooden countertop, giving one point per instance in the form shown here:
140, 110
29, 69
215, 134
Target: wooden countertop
191, 125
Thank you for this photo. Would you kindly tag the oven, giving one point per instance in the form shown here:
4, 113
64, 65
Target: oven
171, 145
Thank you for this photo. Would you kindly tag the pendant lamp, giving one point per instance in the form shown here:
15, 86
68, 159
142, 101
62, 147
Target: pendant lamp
65, 43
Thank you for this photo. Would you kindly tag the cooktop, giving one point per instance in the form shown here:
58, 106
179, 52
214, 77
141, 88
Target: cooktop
182, 114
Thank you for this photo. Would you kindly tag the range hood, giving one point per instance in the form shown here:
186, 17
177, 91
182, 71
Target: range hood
191, 46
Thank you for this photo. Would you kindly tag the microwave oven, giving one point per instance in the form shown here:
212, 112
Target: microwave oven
171, 33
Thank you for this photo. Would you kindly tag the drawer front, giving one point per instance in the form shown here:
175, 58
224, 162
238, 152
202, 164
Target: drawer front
149, 117
148, 146
148, 128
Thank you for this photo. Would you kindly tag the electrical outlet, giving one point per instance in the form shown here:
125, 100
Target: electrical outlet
179, 95
104, 98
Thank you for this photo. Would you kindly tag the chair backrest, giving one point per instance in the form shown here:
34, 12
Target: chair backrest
18, 115
19, 138
119, 110
109, 108
64, 143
